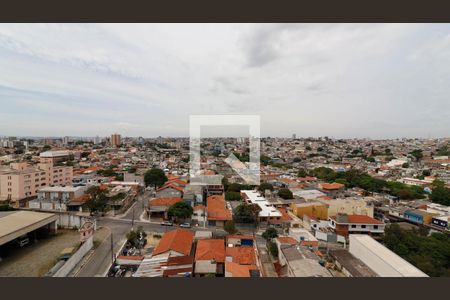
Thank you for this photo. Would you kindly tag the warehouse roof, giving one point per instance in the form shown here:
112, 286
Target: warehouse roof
404, 268
14, 224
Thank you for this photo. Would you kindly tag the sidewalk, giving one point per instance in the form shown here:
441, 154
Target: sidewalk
267, 264
101, 235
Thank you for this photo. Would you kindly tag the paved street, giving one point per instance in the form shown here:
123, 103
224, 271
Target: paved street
101, 259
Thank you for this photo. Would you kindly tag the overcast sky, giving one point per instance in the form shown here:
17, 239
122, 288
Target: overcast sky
337, 80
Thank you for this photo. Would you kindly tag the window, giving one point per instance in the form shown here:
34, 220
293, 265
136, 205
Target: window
353, 226
375, 226
363, 226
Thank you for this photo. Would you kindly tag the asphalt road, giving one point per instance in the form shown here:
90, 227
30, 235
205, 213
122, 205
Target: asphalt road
101, 259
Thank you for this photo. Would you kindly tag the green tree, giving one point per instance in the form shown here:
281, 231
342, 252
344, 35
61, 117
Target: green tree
230, 227
440, 193
426, 173
265, 186
180, 210
302, 173
273, 248
270, 234
430, 253
136, 237
370, 159
232, 196
225, 183
155, 177
417, 154
443, 151
265, 160
285, 193
98, 199
324, 173
247, 213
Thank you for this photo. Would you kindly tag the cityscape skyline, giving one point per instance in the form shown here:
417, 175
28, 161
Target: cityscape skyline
337, 80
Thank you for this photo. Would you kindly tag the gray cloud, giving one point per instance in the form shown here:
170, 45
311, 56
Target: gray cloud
343, 80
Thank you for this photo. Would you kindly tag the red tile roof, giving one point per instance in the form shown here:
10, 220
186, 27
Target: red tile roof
239, 236
307, 178
331, 186
199, 207
170, 185
164, 201
212, 249
237, 270
287, 240
284, 214
242, 255
216, 209
179, 240
360, 219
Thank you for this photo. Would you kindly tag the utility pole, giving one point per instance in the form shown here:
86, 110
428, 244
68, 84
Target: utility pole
112, 249
132, 220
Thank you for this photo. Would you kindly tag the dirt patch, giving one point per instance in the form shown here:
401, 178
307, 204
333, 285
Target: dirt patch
152, 239
38, 258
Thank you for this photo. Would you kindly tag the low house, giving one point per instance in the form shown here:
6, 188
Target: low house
237, 240
268, 213
333, 190
343, 224
419, 216
178, 266
56, 197
349, 265
169, 190
158, 207
241, 262
299, 261
199, 214
304, 237
316, 210
216, 211
173, 266
210, 257
308, 194
177, 242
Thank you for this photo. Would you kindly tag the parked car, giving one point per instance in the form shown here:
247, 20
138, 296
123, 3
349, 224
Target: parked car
166, 223
22, 241
185, 225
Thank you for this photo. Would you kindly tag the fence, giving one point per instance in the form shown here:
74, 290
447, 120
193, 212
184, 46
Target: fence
75, 258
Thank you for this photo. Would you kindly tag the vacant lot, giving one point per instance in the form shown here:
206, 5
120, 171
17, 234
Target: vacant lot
36, 259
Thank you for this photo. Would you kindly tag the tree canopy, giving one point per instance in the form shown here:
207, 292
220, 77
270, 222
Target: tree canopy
265, 186
98, 199
180, 210
270, 233
440, 193
285, 193
429, 253
230, 227
302, 173
417, 154
247, 213
155, 177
